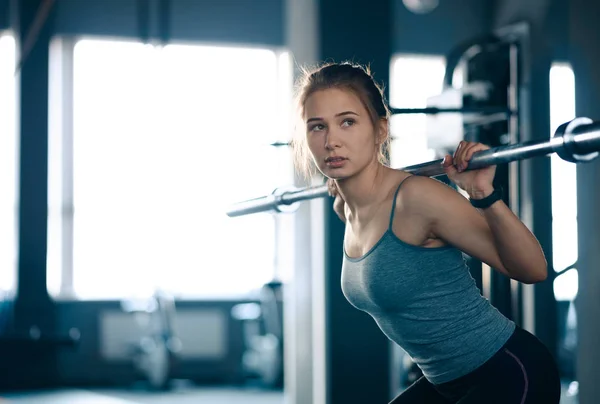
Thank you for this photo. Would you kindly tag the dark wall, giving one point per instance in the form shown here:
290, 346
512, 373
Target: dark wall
4, 14
32, 306
258, 22
584, 54
109, 17
240, 21
450, 23
533, 11
548, 18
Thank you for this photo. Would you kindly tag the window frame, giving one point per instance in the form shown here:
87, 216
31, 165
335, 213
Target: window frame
567, 273
61, 128
10, 291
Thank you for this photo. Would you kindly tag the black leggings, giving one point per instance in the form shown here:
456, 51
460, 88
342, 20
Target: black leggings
521, 372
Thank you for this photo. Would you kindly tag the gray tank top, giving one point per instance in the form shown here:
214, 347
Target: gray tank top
425, 300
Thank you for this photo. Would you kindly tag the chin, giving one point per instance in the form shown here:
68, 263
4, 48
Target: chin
335, 176
335, 173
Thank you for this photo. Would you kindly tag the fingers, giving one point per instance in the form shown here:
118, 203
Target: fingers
448, 165
464, 152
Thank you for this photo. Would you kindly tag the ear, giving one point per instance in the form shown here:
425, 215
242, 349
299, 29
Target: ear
382, 131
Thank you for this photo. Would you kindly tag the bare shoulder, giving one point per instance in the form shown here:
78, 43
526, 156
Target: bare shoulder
424, 194
419, 205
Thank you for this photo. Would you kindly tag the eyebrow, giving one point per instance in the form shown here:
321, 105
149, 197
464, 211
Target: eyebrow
340, 114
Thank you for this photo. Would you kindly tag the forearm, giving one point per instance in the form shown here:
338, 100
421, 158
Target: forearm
519, 250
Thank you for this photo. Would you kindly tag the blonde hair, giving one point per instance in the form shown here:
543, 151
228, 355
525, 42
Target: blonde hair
347, 76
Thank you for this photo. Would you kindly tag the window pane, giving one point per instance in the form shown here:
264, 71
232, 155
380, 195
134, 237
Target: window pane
413, 80
564, 242
8, 164
58, 259
566, 285
564, 174
164, 140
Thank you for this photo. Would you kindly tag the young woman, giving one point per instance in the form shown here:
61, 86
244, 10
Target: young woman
404, 241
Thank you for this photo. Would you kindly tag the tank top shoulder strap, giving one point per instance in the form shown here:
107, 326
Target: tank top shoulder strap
394, 202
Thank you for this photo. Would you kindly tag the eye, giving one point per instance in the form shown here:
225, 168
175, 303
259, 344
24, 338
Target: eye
348, 122
316, 127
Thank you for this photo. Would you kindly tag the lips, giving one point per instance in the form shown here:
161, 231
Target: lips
334, 159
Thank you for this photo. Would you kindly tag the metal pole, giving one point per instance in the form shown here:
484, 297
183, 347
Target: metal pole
575, 141
461, 110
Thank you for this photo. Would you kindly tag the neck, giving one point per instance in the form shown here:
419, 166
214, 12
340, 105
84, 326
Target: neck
362, 189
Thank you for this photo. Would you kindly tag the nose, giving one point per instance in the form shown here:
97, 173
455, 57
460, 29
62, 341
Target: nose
332, 140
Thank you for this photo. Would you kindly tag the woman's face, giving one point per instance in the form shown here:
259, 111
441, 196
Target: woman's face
340, 133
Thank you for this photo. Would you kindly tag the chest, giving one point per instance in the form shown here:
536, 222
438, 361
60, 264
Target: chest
383, 278
394, 276
362, 235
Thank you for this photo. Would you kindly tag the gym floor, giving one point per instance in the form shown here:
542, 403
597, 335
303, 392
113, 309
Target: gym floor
179, 396
184, 395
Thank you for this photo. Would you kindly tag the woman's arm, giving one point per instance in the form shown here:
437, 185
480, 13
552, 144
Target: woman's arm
494, 235
516, 245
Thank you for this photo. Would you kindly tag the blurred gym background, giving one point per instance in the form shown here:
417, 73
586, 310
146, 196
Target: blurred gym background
127, 127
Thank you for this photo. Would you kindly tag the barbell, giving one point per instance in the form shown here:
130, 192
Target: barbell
575, 141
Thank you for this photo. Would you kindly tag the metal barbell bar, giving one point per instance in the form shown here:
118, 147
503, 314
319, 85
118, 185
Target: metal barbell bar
574, 141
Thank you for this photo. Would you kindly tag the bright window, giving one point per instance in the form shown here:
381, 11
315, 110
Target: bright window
8, 164
564, 185
413, 80
163, 141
